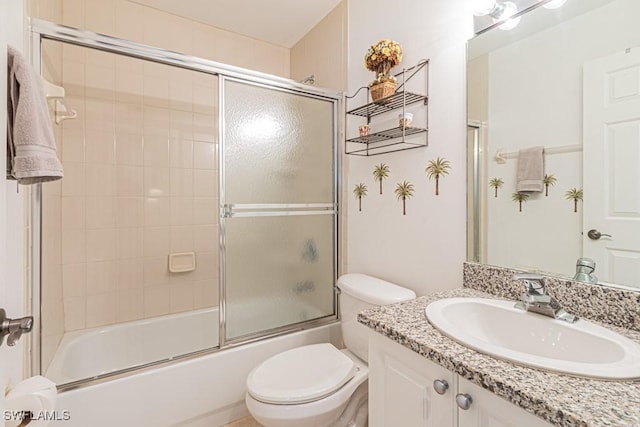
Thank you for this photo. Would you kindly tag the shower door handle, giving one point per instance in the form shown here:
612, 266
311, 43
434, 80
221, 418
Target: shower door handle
231, 210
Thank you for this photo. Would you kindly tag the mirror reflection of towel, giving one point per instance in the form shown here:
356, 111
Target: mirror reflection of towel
530, 175
31, 147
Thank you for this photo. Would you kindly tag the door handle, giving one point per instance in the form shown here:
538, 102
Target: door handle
14, 328
595, 234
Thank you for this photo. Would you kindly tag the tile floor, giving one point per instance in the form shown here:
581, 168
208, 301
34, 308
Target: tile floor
245, 422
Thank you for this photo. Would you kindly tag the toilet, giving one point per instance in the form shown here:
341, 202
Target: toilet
318, 385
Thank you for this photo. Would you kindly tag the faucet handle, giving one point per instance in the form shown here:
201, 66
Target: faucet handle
533, 282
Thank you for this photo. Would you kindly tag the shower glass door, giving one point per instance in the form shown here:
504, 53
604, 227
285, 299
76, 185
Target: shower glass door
278, 204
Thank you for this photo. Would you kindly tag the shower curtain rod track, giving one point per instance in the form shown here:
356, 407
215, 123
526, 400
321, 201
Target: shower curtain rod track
63, 33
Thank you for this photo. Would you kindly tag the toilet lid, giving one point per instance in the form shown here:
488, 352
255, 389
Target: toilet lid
301, 375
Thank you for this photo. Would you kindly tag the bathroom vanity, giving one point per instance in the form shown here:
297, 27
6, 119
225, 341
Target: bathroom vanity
410, 360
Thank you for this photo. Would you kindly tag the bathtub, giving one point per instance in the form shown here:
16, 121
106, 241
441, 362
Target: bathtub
97, 351
202, 391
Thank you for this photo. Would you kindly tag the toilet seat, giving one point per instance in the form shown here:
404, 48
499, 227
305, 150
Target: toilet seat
301, 375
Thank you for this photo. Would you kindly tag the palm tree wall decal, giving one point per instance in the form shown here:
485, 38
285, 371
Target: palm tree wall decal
403, 192
438, 168
360, 191
381, 172
520, 197
547, 181
496, 183
575, 195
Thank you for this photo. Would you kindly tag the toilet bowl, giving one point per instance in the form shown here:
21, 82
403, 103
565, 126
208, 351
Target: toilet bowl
319, 385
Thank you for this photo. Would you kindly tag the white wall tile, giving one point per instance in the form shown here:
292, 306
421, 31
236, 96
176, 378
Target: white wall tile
157, 182
129, 181
156, 241
205, 183
204, 155
100, 180
206, 266
73, 183
75, 315
129, 211
74, 280
101, 244
130, 273
73, 213
129, 242
205, 211
156, 271
181, 211
72, 143
182, 239
101, 309
100, 82
205, 238
206, 293
157, 211
102, 277
100, 212
130, 305
156, 149
156, 301
181, 297
181, 153
100, 16
129, 149
181, 182
129, 117
73, 13
73, 246
100, 147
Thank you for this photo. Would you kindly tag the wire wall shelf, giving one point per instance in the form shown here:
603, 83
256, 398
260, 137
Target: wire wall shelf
395, 138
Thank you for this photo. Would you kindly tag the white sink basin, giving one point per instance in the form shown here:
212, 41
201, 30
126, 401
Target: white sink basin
495, 327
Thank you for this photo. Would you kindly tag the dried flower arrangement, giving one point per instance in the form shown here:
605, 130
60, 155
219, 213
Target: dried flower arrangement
381, 57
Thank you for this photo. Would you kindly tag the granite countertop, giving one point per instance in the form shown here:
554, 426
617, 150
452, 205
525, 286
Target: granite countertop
559, 399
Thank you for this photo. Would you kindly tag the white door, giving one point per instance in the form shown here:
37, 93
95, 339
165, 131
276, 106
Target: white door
611, 171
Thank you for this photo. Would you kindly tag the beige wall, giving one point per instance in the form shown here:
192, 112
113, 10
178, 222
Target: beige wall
323, 51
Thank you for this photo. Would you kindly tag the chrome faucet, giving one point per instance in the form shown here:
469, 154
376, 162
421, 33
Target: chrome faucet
584, 271
537, 300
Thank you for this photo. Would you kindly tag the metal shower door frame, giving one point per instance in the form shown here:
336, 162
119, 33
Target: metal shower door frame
41, 30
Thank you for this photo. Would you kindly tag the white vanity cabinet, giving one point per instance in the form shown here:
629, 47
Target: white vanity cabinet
402, 392
487, 409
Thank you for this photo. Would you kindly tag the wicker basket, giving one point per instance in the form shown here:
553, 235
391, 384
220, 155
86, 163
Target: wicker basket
382, 90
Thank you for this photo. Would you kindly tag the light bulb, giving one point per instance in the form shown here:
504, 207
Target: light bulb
554, 4
510, 9
483, 7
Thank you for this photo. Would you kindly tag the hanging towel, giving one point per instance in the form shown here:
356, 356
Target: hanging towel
31, 146
530, 175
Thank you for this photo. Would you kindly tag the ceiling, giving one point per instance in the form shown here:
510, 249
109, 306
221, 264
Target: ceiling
281, 22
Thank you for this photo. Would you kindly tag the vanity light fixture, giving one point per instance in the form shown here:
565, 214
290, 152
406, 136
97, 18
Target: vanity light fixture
499, 11
510, 9
554, 4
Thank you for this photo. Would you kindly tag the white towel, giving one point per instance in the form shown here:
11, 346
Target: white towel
31, 146
530, 175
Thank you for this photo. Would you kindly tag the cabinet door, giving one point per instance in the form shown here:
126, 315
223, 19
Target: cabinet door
401, 391
489, 410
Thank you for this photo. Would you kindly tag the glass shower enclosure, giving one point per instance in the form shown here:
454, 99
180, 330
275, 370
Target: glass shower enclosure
235, 169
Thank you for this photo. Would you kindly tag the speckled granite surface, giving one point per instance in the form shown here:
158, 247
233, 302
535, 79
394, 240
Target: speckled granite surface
617, 307
561, 400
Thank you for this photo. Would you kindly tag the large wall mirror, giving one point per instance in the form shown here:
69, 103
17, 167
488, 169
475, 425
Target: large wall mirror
567, 79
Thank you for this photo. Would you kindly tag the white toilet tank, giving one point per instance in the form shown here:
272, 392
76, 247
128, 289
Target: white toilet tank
359, 292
